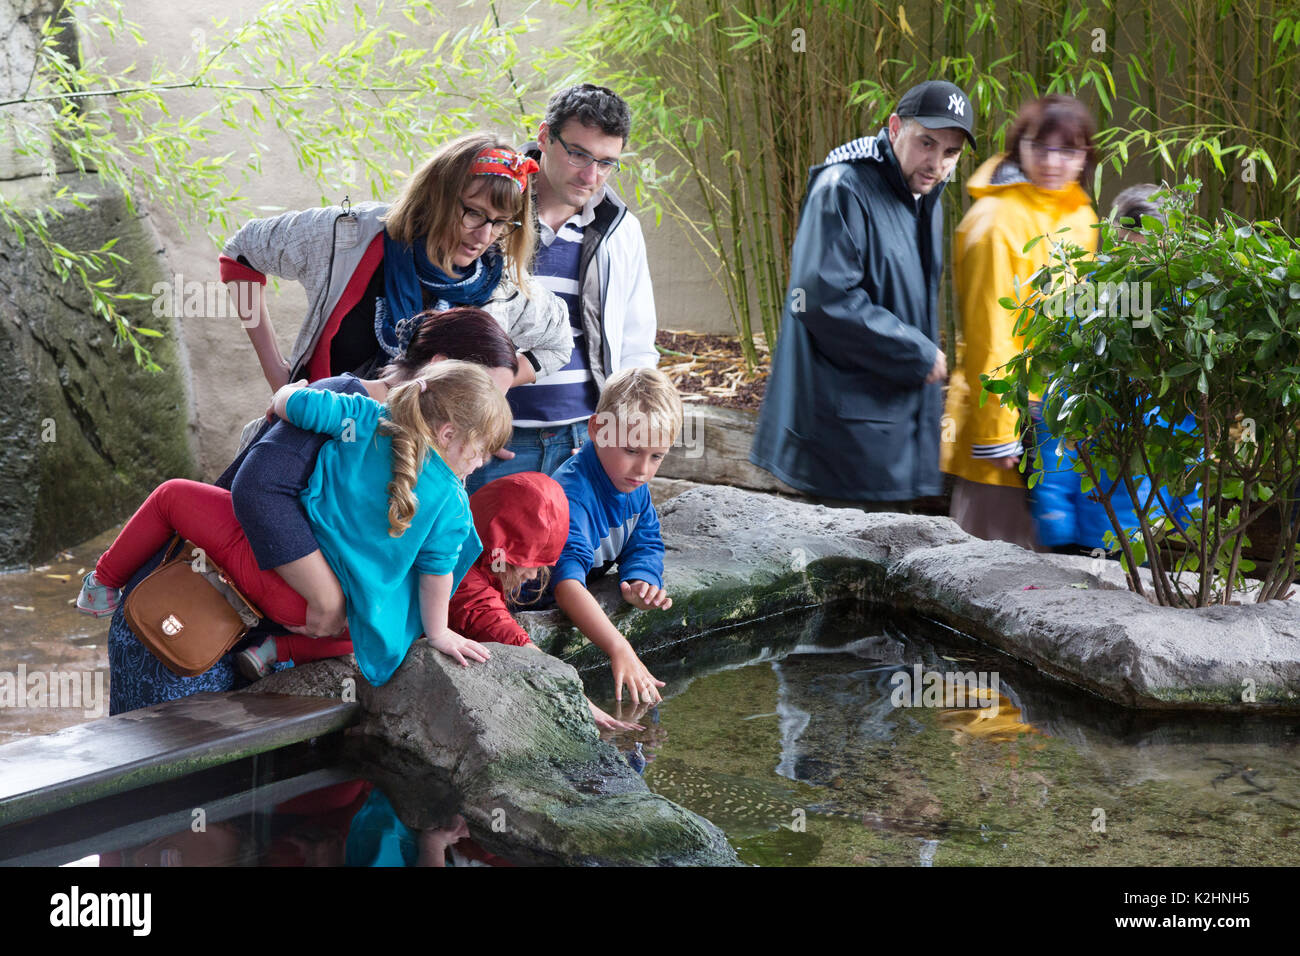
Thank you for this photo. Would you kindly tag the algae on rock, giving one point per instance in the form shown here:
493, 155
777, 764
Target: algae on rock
513, 737
90, 433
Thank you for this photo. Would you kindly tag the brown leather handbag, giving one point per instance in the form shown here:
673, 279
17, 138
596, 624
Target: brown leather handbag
187, 612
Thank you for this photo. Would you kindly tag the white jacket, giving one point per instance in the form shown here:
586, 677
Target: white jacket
617, 301
621, 298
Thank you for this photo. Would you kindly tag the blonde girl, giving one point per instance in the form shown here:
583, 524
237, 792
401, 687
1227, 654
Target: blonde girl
386, 502
400, 557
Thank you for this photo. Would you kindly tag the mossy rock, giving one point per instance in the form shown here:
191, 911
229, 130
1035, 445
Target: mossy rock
89, 433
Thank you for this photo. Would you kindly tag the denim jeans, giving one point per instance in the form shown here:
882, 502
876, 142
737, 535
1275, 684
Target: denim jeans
536, 449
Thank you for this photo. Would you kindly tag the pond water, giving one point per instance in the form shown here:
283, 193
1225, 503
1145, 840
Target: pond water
822, 738
800, 738
309, 804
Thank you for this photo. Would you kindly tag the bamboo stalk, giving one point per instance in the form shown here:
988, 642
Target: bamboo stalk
1256, 120
735, 207
1215, 196
1153, 92
1290, 102
768, 292
728, 270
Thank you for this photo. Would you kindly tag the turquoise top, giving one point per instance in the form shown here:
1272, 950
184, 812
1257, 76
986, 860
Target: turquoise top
346, 501
377, 837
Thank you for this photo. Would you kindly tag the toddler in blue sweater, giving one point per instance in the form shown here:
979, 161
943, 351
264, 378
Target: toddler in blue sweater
611, 518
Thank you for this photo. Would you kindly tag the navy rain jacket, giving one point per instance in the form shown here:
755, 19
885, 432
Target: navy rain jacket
846, 414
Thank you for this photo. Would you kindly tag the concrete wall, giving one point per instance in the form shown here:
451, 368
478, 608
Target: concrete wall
228, 385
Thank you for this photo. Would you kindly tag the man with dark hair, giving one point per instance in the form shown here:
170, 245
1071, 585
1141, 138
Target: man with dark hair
851, 411
592, 255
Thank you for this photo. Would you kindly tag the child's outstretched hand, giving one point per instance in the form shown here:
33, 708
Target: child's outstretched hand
629, 670
645, 595
457, 647
605, 722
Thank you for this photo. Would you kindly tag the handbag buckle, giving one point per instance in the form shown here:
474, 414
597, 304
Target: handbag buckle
171, 625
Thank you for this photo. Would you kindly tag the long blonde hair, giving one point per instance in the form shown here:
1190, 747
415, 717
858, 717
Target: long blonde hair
429, 210
461, 394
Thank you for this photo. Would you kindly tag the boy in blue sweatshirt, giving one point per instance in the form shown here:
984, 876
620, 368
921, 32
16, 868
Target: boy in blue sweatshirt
611, 518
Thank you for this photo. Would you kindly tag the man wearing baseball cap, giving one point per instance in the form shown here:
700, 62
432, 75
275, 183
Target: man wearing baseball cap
851, 412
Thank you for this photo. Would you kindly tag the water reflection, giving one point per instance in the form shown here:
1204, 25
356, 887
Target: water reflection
1003, 722
791, 736
352, 823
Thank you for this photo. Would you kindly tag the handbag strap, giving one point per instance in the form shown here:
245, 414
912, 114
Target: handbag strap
214, 571
225, 579
173, 546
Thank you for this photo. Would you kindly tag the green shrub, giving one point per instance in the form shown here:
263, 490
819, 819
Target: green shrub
1216, 337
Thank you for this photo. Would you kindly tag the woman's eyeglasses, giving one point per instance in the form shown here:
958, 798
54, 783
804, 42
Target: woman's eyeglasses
473, 219
1070, 154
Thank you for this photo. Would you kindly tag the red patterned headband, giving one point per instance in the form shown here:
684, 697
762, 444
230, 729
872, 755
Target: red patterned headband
503, 162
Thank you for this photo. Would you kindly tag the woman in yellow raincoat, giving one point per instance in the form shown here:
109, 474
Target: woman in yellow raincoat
1032, 189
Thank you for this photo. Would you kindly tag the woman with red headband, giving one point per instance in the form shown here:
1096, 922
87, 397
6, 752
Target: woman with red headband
460, 235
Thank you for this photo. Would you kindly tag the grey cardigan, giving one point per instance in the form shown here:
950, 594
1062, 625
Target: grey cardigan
321, 248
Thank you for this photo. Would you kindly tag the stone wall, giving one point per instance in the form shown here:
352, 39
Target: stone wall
714, 449
734, 556
514, 742
87, 432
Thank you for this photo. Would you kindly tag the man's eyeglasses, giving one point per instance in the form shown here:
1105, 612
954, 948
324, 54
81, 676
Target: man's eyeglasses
1071, 154
582, 159
473, 219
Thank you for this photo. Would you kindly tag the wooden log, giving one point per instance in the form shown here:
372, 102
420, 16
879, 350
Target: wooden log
714, 449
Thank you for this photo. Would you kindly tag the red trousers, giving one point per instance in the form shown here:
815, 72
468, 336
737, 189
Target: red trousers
203, 515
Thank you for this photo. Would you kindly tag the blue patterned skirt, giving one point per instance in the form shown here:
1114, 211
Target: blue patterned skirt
138, 679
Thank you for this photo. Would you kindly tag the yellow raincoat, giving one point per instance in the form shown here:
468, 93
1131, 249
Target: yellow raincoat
987, 254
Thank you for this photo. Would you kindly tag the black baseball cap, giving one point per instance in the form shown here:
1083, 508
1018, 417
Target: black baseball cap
938, 104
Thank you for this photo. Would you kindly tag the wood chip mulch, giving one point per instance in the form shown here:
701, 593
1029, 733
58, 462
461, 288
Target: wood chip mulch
711, 369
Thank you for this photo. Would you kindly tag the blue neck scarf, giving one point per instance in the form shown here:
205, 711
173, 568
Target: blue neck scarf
408, 271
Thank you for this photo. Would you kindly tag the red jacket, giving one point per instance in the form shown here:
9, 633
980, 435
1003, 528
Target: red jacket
522, 519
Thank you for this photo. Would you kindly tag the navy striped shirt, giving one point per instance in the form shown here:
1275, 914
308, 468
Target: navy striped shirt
569, 395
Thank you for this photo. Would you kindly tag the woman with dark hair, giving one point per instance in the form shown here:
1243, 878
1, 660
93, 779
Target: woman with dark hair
265, 482
1032, 189
1131, 205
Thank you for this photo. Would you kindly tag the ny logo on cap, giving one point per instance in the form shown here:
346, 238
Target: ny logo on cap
957, 104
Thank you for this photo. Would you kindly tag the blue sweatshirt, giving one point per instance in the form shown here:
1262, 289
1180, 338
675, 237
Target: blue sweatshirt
346, 501
606, 526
